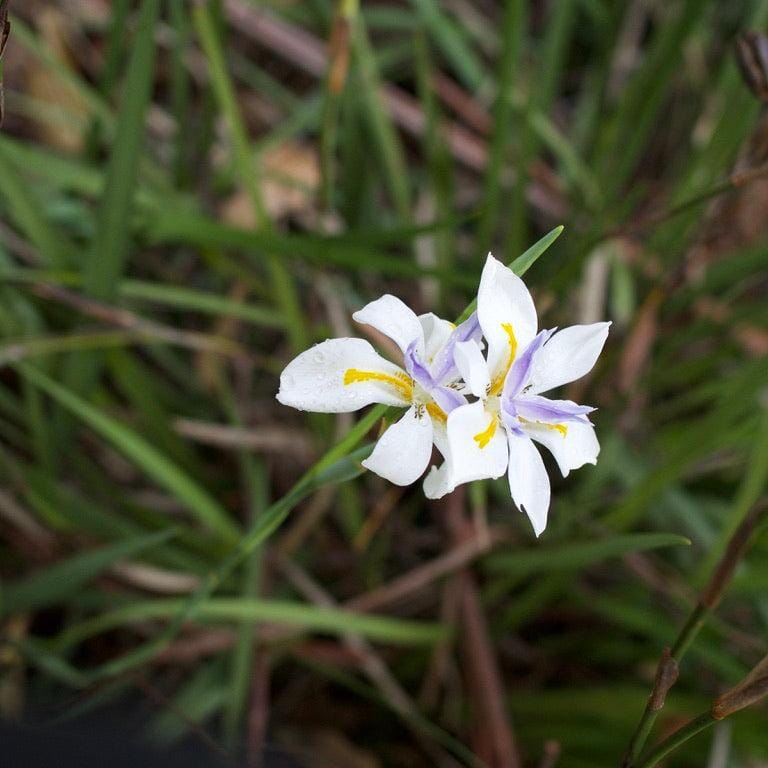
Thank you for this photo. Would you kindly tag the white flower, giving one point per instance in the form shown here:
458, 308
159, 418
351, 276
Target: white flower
342, 375
494, 434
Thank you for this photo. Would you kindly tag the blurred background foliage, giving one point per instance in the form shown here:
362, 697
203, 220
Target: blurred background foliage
191, 193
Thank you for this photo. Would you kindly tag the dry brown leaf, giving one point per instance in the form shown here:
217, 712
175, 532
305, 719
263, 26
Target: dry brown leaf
638, 347
290, 178
65, 129
333, 748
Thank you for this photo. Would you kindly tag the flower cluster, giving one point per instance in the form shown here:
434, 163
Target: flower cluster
474, 391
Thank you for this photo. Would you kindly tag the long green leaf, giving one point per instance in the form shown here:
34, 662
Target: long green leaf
58, 581
108, 252
105, 261
236, 610
143, 455
27, 214
580, 554
286, 295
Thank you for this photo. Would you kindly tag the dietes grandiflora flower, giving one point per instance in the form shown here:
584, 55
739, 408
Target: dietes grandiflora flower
496, 433
343, 375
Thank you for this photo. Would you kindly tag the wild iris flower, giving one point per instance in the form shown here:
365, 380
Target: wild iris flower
342, 375
481, 406
494, 434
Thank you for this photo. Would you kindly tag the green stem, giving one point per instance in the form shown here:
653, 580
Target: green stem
380, 122
255, 488
679, 737
282, 284
683, 641
512, 34
335, 83
720, 564
591, 241
690, 630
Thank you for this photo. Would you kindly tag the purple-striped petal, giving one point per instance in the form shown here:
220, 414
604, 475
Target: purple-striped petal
443, 366
448, 399
416, 369
520, 371
537, 408
511, 424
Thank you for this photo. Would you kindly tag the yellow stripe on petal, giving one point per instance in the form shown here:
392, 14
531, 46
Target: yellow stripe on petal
483, 438
498, 382
561, 428
436, 412
400, 381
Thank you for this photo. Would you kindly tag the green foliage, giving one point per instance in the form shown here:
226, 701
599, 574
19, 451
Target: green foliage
156, 279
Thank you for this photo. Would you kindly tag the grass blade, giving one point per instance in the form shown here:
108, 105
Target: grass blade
282, 284
580, 554
59, 581
143, 455
107, 256
236, 610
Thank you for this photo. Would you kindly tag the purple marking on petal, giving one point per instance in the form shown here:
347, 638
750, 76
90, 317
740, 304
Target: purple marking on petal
443, 366
416, 369
520, 371
537, 408
508, 410
510, 421
448, 399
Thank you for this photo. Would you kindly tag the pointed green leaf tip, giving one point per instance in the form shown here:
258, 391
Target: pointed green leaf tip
526, 260
521, 264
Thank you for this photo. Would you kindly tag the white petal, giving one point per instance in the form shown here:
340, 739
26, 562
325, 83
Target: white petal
577, 447
473, 368
403, 451
567, 356
440, 435
477, 446
506, 313
436, 333
315, 380
394, 319
528, 481
439, 482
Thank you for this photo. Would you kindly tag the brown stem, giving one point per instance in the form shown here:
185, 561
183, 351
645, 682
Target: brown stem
492, 724
371, 663
710, 598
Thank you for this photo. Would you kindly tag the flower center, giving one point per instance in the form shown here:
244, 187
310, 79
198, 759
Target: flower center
423, 399
436, 412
